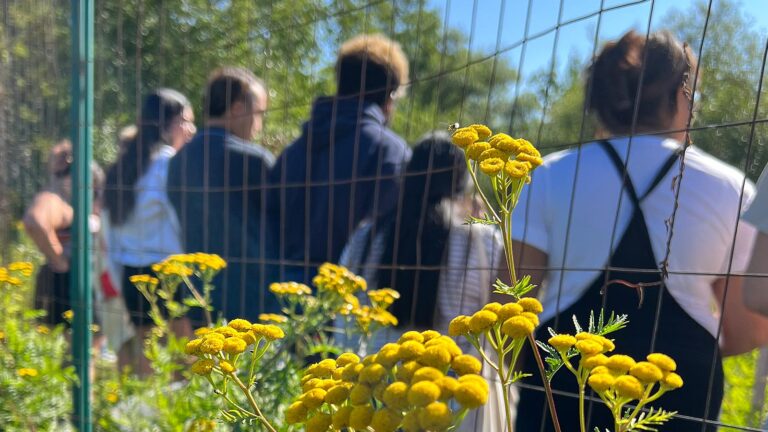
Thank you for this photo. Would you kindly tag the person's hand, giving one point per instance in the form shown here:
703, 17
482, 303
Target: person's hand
59, 264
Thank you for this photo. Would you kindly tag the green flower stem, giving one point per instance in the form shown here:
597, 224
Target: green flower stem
200, 299
641, 403
504, 384
480, 191
253, 403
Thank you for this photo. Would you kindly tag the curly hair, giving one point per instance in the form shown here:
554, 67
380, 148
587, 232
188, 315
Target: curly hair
371, 65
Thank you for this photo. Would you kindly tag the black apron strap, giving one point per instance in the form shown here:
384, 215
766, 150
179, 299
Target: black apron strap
622, 170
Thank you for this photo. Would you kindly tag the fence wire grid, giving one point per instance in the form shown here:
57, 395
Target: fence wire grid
516, 65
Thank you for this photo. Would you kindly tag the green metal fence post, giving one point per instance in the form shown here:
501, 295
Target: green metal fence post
81, 288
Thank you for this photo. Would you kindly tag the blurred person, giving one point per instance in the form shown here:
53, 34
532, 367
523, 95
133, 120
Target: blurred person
215, 186
48, 222
344, 167
567, 226
143, 228
756, 286
441, 266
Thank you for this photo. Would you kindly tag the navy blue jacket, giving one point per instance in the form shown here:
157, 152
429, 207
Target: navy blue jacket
215, 183
343, 168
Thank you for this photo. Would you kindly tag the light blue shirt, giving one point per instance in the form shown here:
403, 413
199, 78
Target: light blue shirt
152, 230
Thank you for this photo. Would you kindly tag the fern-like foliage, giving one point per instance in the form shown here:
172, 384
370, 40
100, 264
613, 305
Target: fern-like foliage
599, 326
520, 289
484, 220
648, 421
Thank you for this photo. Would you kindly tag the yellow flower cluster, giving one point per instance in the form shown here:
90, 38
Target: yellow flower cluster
515, 319
405, 386
219, 348
338, 279
27, 372
282, 289
500, 154
621, 378
22, 267
270, 317
144, 279
15, 273
203, 261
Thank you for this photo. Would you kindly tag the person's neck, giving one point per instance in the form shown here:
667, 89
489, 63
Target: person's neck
218, 123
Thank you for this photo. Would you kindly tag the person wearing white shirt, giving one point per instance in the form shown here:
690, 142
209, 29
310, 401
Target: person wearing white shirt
595, 227
143, 227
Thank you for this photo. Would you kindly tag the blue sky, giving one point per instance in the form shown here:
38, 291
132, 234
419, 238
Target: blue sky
575, 37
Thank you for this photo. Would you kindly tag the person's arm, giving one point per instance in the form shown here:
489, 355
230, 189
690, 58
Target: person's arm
742, 329
47, 214
756, 287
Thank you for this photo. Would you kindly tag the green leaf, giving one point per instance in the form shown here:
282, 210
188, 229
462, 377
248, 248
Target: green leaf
518, 291
601, 327
484, 220
647, 421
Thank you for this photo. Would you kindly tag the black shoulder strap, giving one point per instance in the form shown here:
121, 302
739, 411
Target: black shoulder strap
663, 171
622, 170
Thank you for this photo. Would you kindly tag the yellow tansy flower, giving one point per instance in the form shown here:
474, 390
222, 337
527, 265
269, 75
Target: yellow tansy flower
270, 317
226, 367
410, 350
386, 420
423, 393
673, 381
372, 374
562, 342
360, 417
491, 166
411, 335
530, 304
646, 372
465, 136
435, 416
296, 413
396, 395
27, 372
663, 361
504, 143
347, 358
509, 310
313, 398
234, 345
620, 363
436, 356
518, 327
482, 130
341, 417
471, 394
601, 382
589, 347
360, 394
459, 326
481, 321
491, 154
202, 366
475, 150
628, 386
466, 364
516, 169
319, 422
593, 361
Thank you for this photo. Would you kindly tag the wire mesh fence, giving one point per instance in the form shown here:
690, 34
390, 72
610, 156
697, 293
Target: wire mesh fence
325, 179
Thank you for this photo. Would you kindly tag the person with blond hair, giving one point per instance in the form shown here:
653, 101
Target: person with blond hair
345, 166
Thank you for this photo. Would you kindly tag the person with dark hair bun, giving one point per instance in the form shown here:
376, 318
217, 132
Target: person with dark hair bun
142, 227
423, 249
599, 217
